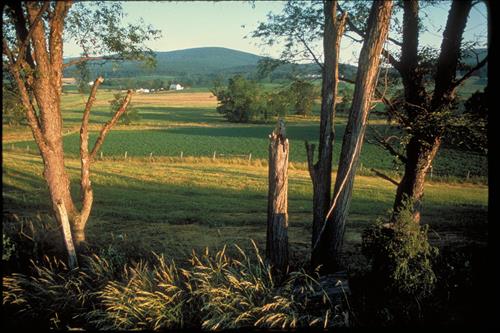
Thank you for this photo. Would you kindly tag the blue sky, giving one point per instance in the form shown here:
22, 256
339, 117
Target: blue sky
226, 23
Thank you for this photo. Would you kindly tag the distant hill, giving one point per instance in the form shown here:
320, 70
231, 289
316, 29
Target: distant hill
199, 66
195, 61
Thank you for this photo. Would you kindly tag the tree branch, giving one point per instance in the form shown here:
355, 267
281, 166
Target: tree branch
31, 116
105, 129
384, 176
26, 38
311, 52
470, 72
384, 143
85, 185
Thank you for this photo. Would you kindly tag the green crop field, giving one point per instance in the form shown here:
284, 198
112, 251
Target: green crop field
169, 127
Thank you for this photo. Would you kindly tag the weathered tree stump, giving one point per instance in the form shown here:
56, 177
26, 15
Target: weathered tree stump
277, 212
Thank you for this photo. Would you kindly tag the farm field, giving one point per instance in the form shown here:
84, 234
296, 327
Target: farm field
146, 199
186, 122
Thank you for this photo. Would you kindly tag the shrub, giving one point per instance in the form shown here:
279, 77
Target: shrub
401, 255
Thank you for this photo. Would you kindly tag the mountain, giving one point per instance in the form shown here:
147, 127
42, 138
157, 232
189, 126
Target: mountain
195, 61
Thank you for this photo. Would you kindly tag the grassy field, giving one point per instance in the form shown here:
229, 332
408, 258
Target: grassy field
186, 121
173, 206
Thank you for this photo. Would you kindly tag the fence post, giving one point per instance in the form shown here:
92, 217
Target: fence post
27, 148
277, 211
101, 155
68, 239
181, 154
125, 155
468, 174
431, 171
151, 156
249, 158
214, 155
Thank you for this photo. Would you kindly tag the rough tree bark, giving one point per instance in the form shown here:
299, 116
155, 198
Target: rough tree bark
277, 211
321, 171
37, 68
427, 134
326, 250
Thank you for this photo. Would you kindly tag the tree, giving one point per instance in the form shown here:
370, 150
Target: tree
242, 101
326, 250
33, 53
302, 94
425, 115
300, 24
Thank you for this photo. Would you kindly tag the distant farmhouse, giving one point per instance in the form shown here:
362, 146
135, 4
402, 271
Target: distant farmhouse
142, 90
176, 87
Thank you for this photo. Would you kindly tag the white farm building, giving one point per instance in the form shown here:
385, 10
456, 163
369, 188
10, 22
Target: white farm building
176, 87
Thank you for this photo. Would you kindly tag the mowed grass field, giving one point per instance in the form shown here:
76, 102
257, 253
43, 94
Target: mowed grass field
173, 205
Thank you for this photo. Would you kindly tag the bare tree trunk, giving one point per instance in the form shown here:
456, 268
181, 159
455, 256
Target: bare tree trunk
321, 172
277, 212
326, 250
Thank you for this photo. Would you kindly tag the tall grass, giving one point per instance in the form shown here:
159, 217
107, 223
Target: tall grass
212, 292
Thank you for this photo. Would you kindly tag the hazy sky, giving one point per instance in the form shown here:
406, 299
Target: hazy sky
226, 23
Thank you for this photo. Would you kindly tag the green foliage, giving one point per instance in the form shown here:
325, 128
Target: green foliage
97, 27
279, 103
401, 254
83, 78
303, 94
469, 130
242, 101
130, 115
346, 92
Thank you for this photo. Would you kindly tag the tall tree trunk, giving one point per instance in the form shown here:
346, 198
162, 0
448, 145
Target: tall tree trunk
428, 130
321, 172
277, 212
327, 249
